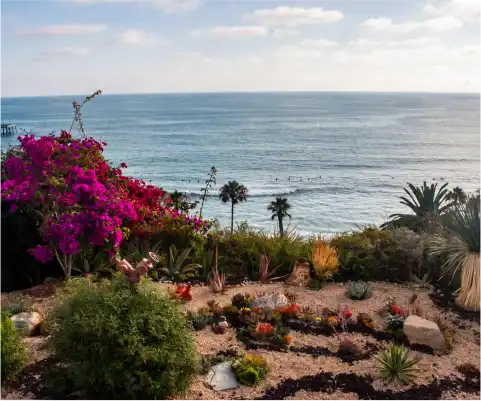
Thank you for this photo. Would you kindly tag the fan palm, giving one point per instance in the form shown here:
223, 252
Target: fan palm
460, 243
427, 203
279, 209
234, 193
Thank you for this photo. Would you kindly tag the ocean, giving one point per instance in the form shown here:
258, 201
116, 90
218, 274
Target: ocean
341, 159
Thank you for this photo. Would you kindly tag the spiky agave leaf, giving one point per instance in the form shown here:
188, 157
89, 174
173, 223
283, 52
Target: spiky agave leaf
396, 365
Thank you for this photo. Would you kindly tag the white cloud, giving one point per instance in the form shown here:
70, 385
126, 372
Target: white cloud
465, 10
318, 43
65, 53
294, 16
433, 25
284, 33
137, 37
168, 6
62, 30
232, 32
411, 42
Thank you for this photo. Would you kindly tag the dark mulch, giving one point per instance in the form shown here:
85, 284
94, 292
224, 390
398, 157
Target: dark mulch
367, 351
446, 303
362, 386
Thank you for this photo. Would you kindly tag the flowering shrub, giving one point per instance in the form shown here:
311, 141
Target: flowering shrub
84, 201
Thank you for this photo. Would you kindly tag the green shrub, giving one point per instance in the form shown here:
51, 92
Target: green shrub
396, 365
198, 322
359, 290
250, 369
240, 300
14, 353
121, 342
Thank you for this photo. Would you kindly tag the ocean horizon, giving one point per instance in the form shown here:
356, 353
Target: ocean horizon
341, 158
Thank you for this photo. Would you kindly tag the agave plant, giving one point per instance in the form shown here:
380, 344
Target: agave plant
217, 279
359, 290
396, 365
265, 271
460, 243
176, 270
427, 203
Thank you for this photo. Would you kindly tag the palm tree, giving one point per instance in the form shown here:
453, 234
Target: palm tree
279, 209
460, 242
458, 196
427, 202
234, 193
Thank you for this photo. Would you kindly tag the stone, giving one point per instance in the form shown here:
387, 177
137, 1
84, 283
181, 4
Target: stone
301, 275
221, 377
272, 301
27, 323
421, 331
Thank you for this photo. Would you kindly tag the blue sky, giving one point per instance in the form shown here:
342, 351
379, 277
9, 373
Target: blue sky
136, 46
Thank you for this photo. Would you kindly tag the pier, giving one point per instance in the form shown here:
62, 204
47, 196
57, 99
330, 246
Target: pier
9, 129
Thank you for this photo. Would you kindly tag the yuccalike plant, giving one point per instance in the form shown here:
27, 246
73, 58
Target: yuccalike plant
460, 243
279, 209
359, 290
14, 352
325, 259
396, 365
176, 270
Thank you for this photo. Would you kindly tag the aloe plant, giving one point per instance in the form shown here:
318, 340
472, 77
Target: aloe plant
176, 270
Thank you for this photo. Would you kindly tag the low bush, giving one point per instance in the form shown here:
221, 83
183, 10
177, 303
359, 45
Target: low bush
250, 369
14, 353
117, 341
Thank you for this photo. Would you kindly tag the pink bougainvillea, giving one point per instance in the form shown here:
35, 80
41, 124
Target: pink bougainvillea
84, 199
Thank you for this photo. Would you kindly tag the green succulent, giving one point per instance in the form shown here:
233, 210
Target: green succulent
198, 322
359, 290
175, 270
396, 365
248, 377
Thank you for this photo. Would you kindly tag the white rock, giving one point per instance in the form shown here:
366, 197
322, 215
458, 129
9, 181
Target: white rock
26, 323
422, 331
272, 301
221, 377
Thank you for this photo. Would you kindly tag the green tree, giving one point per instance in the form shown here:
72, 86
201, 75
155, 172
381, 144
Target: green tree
279, 209
458, 196
234, 193
181, 203
427, 202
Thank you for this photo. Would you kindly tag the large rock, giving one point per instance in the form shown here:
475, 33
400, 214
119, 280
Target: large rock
272, 301
27, 323
422, 331
221, 377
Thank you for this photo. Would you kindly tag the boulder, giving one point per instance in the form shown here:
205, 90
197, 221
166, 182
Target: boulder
221, 377
421, 331
27, 323
272, 301
301, 275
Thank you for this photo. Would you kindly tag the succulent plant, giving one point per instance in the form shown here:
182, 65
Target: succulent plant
359, 290
396, 365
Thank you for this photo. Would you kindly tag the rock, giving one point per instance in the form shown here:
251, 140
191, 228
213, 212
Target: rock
301, 275
27, 323
272, 301
221, 377
422, 331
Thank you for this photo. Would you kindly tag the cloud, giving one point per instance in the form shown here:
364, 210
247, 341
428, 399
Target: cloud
168, 6
294, 16
318, 43
412, 42
189, 54
466, 10
232, 32
138, 37
284, 33
433, 25
66, 53
63, 30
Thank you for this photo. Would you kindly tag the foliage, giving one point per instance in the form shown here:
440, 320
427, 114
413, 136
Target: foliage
242, 300
395, 322
234, 193
457, 195
181, 203
324, 260
460, 242
279, 209
347, 346
428, 204
250, 369
207, 361
14, 352
366, 320
176, 270
396, 365
208, 185
117, 341
197, 321
265, 272
217, 279
359, 290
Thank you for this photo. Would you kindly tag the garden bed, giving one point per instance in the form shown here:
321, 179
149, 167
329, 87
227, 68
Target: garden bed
311, 367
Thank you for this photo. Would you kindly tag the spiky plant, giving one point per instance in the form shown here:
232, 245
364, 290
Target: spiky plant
359, 290
176, 270
265, 271
396, 365
325, 259
460, 244
427, 203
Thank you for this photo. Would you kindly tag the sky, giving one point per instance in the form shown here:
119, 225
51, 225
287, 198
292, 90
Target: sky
69, 47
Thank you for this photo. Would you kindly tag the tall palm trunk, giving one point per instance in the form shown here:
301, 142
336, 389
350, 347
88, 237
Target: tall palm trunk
232, 219
281, 225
